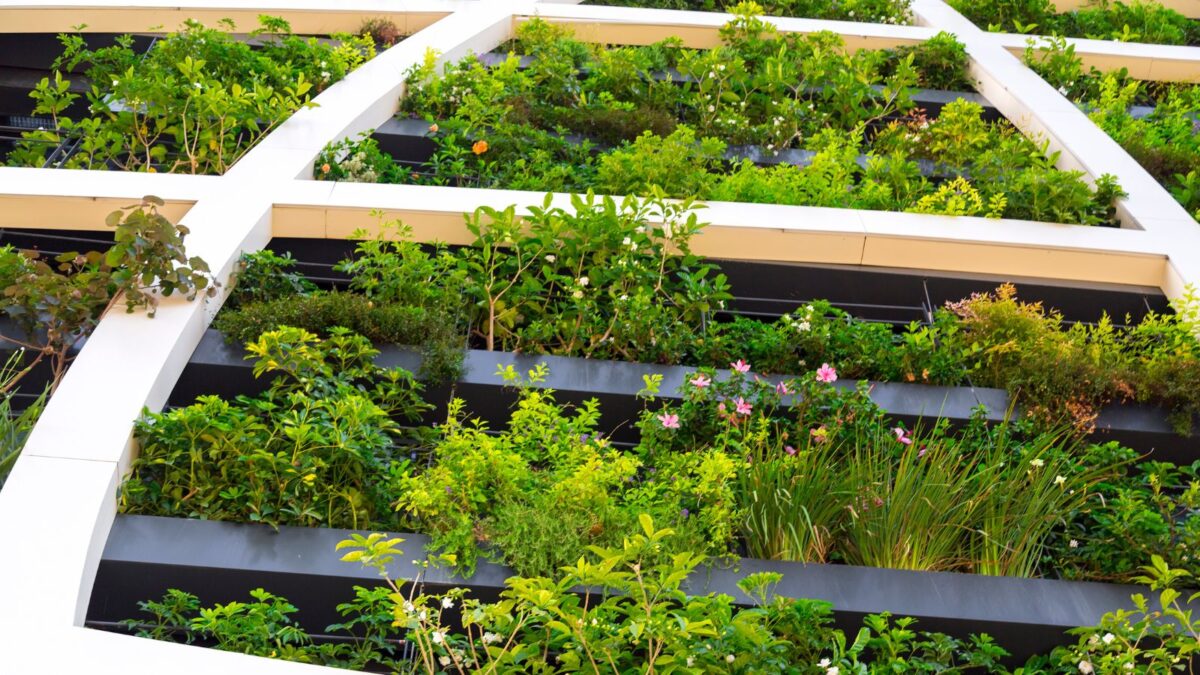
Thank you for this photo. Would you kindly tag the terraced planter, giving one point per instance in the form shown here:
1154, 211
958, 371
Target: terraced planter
222, 562
217, 367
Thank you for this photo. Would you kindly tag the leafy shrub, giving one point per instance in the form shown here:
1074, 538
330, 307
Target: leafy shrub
56, 303
264, 276
196, 102
635, 120
315, 449
1137, 21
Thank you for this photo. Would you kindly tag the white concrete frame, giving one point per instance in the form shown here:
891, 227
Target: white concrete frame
59, 503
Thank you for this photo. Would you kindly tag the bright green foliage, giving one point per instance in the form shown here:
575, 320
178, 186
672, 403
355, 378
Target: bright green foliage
56, 303
315, 449
1151, 511
548, 485
1164, 142
263, 276
15, 425
196, 102
635, 120
872, 11
1136, 21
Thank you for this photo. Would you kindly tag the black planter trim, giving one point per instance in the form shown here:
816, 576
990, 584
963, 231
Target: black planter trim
407, 141
222, 562
217, 367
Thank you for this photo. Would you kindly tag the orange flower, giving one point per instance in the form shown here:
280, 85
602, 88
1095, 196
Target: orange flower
325, 168
433, 128
480, 147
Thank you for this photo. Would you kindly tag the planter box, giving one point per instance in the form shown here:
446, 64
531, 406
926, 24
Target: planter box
408, 142
217, 367
222, 562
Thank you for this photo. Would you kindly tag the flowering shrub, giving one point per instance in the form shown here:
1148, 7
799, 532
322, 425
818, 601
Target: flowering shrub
194, 103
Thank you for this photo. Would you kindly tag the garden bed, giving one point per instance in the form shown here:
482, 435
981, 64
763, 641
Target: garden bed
222, 562
767, 117
65, 99
216, 367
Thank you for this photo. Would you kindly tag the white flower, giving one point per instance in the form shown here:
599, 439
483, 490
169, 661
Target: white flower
577, 295
583, 281
447, 603
833, 670
803, 326
1073, 544
444, 660
1036, 462
438, 637
421, 615
729, 658
490, 637
721, 67
823, 663
1062, 90
623, 297
322, 64
1085, 667
1108, 638
1059, 480
324, 74
116, 82
711, 108
197, 85
408, 607
690, 661
1128, 666
627, 241
551, 258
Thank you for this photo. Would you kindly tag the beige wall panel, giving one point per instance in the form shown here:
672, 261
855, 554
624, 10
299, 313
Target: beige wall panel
127, 20
1066, 264
71, 213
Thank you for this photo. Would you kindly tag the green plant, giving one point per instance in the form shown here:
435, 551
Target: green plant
264, 276
316, 448
196, 102
665, 119
15, 425
57, 305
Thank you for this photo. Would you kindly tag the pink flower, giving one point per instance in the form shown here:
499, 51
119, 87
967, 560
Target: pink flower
669, 421
902, 435
743, 408
782, 389
789, 449
741, 366
826, 373
720, 407
820, 434
921, 453
700, 381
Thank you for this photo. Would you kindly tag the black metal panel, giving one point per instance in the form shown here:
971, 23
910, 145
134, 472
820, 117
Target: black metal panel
222, 562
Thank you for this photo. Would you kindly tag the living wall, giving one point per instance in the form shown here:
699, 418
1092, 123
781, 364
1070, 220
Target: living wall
195, 102
638, 617
767, 117
1135, 21
618, 281
1155, 122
